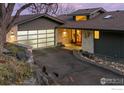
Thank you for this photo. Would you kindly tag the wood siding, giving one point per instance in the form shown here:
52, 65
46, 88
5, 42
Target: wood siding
110, 44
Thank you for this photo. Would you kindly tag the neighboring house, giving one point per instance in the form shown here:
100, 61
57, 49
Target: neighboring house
94, 30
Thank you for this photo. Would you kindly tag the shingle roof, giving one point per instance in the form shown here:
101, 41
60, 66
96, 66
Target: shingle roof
86, 11
116, 22
25, 18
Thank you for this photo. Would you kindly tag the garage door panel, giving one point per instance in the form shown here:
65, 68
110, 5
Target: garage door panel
36, 38
22, 38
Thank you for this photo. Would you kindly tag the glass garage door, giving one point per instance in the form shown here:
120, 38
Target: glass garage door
36, 38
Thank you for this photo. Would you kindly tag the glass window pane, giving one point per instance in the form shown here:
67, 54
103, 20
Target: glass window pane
32, 36
34, 46
50, 39
22, 38
22, 33
32, 32
50, 31
50, 43
32, 41
23, 42
41, 40
41, 31
42, 36
50, 35
42, 45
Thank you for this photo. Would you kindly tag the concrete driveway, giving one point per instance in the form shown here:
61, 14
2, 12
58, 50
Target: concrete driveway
71, 70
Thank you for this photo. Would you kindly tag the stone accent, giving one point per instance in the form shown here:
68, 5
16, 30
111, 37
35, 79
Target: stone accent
111, 66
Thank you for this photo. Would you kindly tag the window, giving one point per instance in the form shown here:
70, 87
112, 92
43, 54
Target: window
96, 34
108, 16
80, 18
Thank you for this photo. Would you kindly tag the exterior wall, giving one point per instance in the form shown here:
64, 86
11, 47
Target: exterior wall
12, 35
111, 43
38, 24
60, 37
88, 41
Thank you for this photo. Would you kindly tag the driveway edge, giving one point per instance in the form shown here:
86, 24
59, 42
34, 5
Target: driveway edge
80, 57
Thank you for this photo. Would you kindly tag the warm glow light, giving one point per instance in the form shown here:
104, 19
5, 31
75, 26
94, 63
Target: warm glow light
96, 34
64, 34
80, 18
12, 37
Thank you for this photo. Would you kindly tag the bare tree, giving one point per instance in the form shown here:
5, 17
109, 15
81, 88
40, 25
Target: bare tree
45, 8
7, 21
65, 9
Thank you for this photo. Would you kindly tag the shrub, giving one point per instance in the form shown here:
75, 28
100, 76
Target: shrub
13, 71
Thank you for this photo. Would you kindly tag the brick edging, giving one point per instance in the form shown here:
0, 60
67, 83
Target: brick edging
78, 55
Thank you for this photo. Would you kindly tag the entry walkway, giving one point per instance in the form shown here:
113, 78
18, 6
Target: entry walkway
72, 47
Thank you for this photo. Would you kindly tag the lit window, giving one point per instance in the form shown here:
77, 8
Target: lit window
96, 34
80, 18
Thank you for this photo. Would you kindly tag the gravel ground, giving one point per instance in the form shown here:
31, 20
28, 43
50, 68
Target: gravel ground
71, 70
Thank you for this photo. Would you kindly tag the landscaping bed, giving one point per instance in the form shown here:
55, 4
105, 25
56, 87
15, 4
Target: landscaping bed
13, 71
92, 59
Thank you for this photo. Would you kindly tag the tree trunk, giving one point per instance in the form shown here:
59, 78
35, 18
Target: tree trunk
2, 38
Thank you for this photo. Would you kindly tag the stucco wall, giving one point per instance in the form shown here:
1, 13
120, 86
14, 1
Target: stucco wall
88, 41
10, 37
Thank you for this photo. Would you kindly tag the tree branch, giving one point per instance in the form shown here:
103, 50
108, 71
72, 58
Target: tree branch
17, 15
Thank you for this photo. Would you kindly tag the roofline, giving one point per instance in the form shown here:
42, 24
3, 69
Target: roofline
91, 29
42, 15
99, 8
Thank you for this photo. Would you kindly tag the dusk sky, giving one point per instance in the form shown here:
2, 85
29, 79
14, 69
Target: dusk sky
107, 6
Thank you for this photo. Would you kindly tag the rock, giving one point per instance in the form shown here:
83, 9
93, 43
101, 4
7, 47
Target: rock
21, 56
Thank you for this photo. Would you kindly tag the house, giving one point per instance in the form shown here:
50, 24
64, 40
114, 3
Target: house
94, 30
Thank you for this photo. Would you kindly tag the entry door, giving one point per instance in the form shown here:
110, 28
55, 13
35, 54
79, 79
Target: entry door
77, 37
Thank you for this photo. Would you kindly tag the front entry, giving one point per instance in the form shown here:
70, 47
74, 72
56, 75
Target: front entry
77, 37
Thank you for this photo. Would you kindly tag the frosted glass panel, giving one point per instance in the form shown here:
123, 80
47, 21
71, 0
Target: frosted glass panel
32, 36
50, 31
41, 31
50, 35
41, 40
32, 41
50, 39
22, 33
23, 42
42, 45
34, 46
50, 43
32, 32
42, 36
22, 38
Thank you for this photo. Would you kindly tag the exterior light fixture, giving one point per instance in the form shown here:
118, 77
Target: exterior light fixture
96, 34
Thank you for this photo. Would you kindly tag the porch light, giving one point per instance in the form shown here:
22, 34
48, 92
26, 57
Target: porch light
96, 34
64, 34
12, 37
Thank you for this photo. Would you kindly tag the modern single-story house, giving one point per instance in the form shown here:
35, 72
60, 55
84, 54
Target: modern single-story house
94, 30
